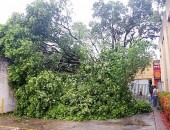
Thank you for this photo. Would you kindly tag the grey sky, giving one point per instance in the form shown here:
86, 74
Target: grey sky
81, 8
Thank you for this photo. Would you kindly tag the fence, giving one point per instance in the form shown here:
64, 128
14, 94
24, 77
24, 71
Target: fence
141, 91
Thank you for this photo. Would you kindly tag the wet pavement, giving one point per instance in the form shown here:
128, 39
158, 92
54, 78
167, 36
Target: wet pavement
158, 120
149, 121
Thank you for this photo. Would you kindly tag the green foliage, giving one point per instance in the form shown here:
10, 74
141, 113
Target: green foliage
96, 91
142, 107
58, 112
90, 98
43, 32
41, 48
41, 93
115, 22
24, 59
80, 30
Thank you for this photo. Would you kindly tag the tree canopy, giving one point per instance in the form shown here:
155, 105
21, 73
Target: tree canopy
116, 22
60, 69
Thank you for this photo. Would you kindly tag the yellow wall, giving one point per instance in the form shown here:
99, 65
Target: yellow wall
146, 74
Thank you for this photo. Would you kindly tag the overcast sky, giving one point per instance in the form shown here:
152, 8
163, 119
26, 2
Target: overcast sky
81, 8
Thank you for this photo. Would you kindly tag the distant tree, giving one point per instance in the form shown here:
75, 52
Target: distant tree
80, 30
84, 38
118, 23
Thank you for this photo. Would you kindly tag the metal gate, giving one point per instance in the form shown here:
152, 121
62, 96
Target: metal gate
141, 91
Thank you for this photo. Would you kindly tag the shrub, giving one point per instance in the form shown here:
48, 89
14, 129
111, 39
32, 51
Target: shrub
142, 107
164, 101
58, 112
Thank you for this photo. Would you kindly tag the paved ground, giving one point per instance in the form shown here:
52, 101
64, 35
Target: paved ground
150, 121
158, 121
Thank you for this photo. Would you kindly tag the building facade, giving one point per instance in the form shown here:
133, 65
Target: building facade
145, 77
152, 74
142, 80
164, 43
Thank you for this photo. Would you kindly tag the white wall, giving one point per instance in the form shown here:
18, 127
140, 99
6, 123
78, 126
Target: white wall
165, 49
5, 91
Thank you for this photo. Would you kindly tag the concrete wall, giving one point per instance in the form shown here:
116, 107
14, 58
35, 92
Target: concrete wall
164, 43
5, 91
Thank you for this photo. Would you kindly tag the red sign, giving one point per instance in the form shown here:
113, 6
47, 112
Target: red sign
157, 71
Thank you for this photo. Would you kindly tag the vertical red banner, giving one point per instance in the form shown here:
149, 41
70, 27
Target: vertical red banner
157, 72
